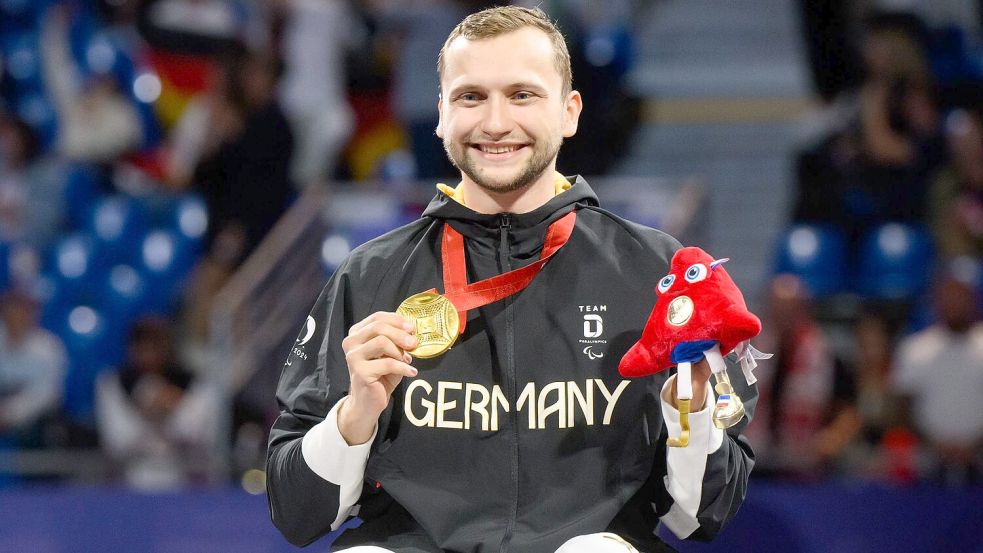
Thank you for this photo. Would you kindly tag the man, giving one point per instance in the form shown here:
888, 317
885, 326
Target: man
32, 370
522, 436
939, 373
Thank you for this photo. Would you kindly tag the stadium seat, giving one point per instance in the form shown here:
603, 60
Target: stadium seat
165, 263
118, 224
189, 219
73, 263
83, 187
93, 344
895, 262
817, 254
125, 296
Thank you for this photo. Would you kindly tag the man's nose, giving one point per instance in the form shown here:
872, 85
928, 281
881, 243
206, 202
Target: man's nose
497, 122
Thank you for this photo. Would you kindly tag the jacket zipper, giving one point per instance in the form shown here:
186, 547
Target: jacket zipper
505, 225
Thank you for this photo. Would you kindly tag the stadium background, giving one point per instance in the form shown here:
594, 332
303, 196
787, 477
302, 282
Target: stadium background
179, 177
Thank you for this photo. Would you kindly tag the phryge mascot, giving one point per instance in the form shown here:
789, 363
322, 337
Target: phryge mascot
699, 312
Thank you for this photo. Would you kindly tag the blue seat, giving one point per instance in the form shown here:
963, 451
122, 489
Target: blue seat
816, 254
165, 262
93, 343
36, 110
125, 296
73, 262
22, 57
118, 225
895, 262
189, 219
83, 186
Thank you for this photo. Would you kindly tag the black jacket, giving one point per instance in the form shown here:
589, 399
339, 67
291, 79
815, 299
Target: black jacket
523, 435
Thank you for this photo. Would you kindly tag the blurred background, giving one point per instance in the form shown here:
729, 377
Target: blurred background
178, 178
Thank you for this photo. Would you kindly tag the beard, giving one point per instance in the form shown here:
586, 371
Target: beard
542, 156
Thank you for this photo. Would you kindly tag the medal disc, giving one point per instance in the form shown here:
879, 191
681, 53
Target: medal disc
436, 323
680, 311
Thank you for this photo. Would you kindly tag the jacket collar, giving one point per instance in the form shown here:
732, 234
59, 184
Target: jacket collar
461, 217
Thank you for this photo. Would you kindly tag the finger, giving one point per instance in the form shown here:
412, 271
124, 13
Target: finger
379, 347
370, 331
379, 369
386, 317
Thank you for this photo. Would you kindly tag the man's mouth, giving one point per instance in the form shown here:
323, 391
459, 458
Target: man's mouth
498, 152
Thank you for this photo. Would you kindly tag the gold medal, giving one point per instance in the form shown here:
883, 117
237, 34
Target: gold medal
680, 311
436, 323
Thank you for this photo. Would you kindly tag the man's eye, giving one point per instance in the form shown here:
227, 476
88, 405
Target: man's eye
523, 96
468, 97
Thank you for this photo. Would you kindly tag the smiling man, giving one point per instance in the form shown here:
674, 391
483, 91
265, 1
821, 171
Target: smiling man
459, 387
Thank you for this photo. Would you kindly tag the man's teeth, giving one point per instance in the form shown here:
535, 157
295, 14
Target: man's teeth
498, 149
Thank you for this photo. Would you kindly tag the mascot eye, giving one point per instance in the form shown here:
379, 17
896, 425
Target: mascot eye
666, 283
696, 273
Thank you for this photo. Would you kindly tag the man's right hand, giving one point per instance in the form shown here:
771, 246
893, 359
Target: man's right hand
375, 350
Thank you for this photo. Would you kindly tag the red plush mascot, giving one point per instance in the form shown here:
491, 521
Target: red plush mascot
699, 312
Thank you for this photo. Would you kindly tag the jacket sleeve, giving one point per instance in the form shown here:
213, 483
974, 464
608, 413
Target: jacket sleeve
304, 504
721, 485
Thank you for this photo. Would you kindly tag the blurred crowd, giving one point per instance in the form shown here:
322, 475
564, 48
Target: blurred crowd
146, 149
874, 315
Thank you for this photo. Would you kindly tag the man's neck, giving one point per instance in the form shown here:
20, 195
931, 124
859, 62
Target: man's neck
524, 200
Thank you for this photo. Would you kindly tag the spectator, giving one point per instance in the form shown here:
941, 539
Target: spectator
244, 170
956, 196
312, 91
417, 29
96, 123
31, 187
32, 371
862, 437
940, 376
153, 417
796, 388
876, 166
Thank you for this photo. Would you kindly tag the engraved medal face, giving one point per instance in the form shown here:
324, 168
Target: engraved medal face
436, 322
680, 311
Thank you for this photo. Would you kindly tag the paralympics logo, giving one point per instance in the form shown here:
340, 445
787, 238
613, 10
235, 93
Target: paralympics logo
309, 327
593, 329
306, 334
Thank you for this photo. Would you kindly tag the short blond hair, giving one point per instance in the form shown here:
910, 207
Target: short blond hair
500, 20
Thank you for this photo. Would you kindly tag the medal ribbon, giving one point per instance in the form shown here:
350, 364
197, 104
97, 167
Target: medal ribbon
466, 296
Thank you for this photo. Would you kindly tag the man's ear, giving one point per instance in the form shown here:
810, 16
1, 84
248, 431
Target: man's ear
440, 116
571, 115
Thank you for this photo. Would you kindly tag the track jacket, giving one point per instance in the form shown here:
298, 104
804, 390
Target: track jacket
523, 434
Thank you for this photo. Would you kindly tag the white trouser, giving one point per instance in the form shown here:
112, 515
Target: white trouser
604, 542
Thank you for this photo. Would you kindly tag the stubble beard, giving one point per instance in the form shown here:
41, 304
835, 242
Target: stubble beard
534, 168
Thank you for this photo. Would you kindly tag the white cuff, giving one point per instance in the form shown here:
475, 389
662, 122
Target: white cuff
686, 465
328, 454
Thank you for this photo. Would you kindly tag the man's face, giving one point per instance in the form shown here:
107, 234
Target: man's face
503, 114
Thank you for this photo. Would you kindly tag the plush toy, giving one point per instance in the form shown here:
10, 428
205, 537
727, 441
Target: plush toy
699, 313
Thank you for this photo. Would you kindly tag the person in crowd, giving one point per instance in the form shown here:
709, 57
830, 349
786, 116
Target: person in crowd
96, 122
939, 376
956, 197
316, 35
32, 207
876, 164
33, 364
154, 418
798, 414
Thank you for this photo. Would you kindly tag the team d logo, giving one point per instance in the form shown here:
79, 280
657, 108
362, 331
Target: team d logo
593, 329
593, 325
